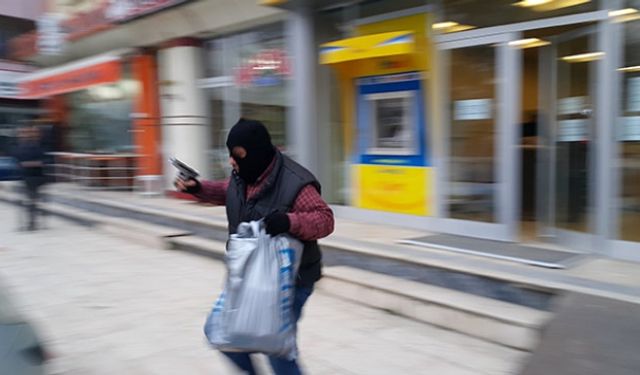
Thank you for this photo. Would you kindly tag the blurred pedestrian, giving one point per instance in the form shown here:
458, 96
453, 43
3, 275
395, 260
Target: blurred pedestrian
267, 184
30, 155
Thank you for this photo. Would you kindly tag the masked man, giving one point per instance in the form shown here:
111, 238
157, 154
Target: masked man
267, 184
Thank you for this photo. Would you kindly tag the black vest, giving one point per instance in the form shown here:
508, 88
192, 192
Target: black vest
278, 193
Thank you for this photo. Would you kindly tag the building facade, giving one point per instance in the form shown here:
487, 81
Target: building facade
508, 122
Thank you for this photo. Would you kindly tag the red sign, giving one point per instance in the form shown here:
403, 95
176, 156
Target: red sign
126, 10
86, 23
23, 46
266, 68
101, 18
106, 72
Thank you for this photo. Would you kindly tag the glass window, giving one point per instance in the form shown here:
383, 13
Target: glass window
261, 72
461, 15
215, 58
472, 182
629, 129
99, 121
100, 117
258, 63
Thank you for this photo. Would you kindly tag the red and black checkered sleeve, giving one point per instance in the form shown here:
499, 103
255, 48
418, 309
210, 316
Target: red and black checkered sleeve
310, 217
214, 192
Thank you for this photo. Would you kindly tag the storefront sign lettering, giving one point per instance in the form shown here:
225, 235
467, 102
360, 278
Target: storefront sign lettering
389, 78
51, 37
266, 68
86, 23
106, 72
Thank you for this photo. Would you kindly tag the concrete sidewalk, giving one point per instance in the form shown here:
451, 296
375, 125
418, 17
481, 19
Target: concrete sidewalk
594, 275
105, 305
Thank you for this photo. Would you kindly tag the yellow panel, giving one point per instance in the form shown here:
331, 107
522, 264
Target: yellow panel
405, 190
367, 47
418, 24
347, 96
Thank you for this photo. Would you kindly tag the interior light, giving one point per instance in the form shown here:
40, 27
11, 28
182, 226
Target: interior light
622, 12
629, 69
451, 27
530, 3
549, 5
458, 28
583, 57
444, 25
529, 43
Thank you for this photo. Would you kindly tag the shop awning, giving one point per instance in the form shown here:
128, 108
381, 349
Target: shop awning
73, 76
367, 47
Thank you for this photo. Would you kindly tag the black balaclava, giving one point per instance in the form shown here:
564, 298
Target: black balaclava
254, 137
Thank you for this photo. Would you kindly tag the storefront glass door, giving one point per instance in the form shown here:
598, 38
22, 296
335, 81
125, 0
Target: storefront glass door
568, 134
481, 104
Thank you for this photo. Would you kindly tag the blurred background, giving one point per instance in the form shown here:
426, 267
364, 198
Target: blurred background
505, 128
516, 118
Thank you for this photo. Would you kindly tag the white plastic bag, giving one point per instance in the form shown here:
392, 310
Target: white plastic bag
254, 313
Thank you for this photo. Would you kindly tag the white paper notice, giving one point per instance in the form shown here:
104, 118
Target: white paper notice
629, 129
572, 130
633, 96
572, 105
472, 109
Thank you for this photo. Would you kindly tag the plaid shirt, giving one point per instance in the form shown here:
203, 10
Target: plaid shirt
310, 217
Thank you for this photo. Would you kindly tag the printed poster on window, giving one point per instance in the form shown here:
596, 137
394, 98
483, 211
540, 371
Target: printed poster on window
633, 97
472, 109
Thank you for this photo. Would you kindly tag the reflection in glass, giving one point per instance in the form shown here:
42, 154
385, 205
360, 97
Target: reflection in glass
629, 134
573, 132
472, 133
100, 121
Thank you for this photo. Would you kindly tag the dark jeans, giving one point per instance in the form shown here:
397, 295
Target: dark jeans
281, 366
30, 203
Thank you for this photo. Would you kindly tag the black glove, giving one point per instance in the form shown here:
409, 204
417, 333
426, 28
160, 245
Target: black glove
190, 189
276, 223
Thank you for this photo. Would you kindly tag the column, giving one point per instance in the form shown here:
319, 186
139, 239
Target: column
302, 129
184, 115
145, 117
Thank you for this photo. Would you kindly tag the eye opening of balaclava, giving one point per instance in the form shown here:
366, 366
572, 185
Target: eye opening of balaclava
254, 137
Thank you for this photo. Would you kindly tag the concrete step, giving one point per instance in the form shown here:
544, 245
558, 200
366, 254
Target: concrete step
144, 233
209, 227
491, 320
134, 230
495, 321
197, 245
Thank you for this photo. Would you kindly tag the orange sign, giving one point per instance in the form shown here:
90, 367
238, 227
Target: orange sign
106, 72
23, 46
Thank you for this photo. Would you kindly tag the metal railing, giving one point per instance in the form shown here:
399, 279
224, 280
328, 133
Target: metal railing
96, 171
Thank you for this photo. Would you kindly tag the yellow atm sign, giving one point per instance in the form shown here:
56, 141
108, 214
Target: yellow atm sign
393, 188
367, 47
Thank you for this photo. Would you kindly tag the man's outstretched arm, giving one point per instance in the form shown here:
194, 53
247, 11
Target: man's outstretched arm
214, 192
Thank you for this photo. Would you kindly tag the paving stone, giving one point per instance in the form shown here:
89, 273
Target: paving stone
104, 305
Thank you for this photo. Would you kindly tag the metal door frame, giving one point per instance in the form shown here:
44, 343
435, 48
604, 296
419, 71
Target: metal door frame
506, 158
611, 147
546, 167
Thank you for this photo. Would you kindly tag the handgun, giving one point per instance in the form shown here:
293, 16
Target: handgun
186, 173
